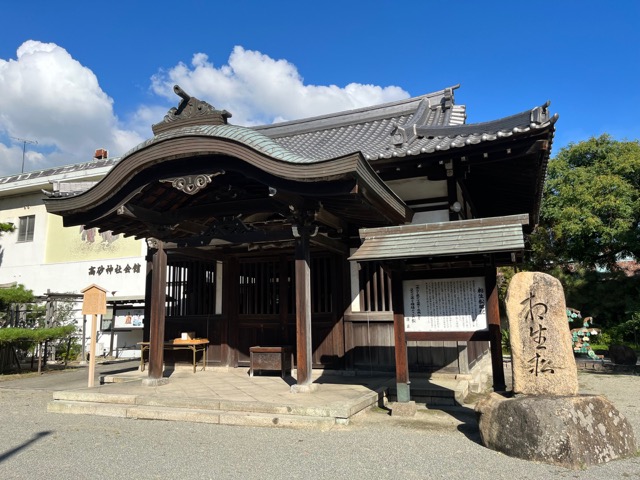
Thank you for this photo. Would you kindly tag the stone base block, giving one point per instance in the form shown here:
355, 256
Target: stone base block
312, 387
154, 382
403, 409
570, 431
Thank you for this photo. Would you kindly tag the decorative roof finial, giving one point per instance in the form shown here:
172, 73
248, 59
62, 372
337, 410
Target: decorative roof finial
190, 111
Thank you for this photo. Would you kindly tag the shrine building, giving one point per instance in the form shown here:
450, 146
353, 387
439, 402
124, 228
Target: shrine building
367, 240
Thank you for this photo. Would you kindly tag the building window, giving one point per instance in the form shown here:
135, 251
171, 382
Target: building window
25, 228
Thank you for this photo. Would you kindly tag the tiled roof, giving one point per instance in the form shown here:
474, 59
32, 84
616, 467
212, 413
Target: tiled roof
368, 130
465, 237
246, 136
65, 169
68, 189
419, 125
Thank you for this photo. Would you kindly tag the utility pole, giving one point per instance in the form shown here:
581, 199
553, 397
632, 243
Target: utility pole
24, 147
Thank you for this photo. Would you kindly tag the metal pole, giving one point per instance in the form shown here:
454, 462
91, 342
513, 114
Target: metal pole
24, 148
84, 336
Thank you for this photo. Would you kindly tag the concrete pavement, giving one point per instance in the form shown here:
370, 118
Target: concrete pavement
231, 397
433, 444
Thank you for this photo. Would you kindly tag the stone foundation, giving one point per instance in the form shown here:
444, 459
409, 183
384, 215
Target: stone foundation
570, 431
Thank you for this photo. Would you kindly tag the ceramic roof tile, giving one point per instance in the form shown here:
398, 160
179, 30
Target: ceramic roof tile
65, 169
408, 242
418, 125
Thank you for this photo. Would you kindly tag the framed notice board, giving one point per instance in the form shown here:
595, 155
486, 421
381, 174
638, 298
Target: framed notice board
445, 305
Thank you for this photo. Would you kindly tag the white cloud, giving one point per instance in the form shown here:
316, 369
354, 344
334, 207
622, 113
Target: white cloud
49, 97
257, 89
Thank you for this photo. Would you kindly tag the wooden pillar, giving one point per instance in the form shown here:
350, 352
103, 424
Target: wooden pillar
493, 322
402, 362
158, 300
303, 307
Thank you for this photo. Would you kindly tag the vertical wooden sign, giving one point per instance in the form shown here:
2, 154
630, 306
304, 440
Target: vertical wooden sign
94, 303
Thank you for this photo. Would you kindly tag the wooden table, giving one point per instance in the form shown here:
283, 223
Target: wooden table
196, 345
271, 358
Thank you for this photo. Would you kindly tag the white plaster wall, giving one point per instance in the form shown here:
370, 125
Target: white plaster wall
16, 253
430, 217
24, 263
124, 343
418, 188
74, 277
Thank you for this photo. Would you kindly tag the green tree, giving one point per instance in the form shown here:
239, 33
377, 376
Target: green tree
17, 294
591, 206
7, 227
589, 221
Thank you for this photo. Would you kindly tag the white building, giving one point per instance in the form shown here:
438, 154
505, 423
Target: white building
47, 257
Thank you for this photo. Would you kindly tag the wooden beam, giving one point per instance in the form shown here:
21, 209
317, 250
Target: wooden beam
151, 218
158, 300
286, 199
402, 362
251, 236
330, 220
223, 209
303, 308
493, 320
330, 244
480, 335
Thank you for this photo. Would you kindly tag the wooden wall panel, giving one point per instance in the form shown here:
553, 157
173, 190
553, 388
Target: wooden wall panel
370, 345
476, 351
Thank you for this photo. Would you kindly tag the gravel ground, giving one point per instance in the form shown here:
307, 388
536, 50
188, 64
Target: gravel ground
37, 444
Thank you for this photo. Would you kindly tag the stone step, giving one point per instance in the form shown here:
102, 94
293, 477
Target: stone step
433, 394
339, 411
219, 417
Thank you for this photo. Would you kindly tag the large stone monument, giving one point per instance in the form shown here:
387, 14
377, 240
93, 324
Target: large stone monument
544, 418
542, 351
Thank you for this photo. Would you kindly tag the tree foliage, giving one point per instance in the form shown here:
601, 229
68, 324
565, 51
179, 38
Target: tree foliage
17, 294
591, 206
38, 335
7, 227
589, 221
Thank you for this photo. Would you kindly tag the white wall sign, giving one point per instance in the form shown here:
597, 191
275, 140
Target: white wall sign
445, 305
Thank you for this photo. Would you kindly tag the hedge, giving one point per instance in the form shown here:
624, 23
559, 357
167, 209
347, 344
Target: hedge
38, 335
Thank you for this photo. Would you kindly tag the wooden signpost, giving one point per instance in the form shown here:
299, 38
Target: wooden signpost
94, 303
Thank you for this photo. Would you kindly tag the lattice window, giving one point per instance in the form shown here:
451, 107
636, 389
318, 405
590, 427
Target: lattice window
191, 288
259, 292
259, 286
375, 288
322, 279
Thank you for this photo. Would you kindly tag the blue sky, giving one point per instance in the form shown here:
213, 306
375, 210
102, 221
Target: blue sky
76, 76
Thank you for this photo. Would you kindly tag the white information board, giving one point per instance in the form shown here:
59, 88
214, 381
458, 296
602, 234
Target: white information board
445, 305
129, 318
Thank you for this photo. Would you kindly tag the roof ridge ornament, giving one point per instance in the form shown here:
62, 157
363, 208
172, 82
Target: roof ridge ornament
427, 114
404, 134
190, 111
540, 115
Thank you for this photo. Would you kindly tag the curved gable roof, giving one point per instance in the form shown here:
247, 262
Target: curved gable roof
348, 183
